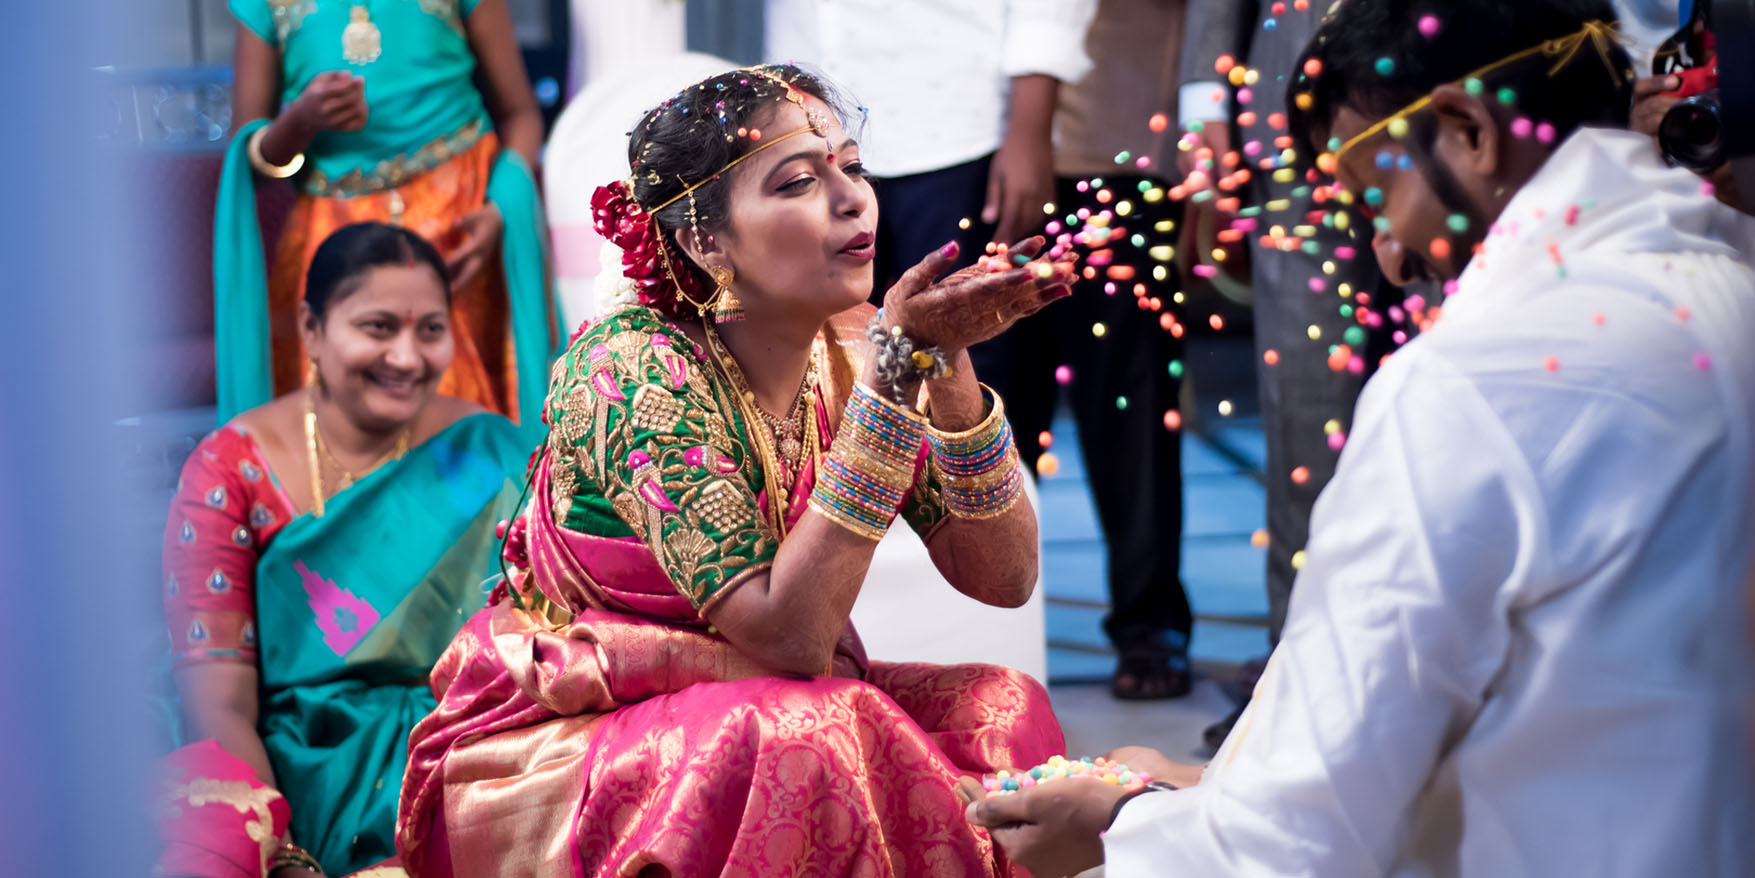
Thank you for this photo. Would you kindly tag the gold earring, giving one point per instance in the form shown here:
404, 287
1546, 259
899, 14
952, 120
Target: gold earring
312, 377
726, 307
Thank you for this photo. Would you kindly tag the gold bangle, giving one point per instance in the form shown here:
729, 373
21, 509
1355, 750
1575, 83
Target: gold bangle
980, 432
874, 466
292, 855
277, 172
847, 522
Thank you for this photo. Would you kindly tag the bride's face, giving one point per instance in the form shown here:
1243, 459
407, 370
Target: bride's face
802, 220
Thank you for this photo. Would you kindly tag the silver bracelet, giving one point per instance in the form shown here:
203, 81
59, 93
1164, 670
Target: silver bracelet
901, 360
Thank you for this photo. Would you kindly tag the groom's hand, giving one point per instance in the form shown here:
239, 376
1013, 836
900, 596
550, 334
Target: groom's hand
1054, 829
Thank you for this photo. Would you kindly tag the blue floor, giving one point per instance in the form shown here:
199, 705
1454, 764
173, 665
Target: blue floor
1223, 504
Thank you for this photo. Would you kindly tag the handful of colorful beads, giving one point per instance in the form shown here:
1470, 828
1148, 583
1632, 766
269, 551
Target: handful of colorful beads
1059, 767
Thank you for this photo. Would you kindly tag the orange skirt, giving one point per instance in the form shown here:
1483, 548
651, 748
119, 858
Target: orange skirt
484, 370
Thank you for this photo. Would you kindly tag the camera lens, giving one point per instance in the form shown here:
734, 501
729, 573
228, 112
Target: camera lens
1692, 133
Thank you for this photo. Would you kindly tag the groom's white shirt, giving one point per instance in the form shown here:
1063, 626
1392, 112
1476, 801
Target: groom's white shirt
1519, 643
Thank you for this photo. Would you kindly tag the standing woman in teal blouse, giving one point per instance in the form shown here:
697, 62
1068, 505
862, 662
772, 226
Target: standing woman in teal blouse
371, 108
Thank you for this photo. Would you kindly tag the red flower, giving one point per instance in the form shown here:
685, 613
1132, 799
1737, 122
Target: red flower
584, 327
516, 550
647, 260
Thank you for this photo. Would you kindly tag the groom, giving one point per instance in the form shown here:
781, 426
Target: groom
1517, 645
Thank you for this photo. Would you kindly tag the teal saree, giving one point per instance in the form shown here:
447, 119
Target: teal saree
354, 608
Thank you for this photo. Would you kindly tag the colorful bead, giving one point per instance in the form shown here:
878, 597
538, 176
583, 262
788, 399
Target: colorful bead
1059, 768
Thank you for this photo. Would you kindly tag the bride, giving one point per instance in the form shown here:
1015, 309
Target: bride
667, 683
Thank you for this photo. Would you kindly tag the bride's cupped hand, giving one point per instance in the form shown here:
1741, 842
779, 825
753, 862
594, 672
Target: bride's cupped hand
976, 303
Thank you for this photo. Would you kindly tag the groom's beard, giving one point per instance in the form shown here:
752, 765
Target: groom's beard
1450, 193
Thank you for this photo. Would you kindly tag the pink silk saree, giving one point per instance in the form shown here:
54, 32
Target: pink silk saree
630, 740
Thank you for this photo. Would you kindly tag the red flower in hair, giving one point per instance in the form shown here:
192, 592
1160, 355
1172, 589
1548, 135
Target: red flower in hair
646, 260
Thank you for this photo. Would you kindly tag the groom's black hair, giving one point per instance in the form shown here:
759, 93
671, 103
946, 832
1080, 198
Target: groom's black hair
1357, 35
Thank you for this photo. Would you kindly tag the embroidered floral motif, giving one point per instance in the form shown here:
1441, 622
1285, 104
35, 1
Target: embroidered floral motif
289, 15
445, 11
343, 616
686, 552
655, 409
722, 508
926, 509
639, 423
391, 173
247, 798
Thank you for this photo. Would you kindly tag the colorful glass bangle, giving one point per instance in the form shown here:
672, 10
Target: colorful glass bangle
979, 467
870, 466
847, 519
986, 504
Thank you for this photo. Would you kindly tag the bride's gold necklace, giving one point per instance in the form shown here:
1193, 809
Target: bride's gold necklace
788, 432
793, 434
315, 447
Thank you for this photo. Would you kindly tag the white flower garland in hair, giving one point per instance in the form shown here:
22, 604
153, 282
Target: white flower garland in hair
612, 291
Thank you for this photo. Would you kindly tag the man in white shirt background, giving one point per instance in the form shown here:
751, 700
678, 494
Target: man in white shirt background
959, 98
973, 108
1518, 644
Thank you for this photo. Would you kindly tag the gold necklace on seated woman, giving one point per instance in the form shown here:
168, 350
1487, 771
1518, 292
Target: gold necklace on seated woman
775, 439
315, 447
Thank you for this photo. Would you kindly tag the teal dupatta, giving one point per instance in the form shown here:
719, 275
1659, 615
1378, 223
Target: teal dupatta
354, 608
242, 346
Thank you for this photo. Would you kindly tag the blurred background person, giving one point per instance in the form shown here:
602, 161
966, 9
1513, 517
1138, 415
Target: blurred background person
1646, 24
373, 111
959, 99
321, 551
1114, 335
1314, 344
1684, 69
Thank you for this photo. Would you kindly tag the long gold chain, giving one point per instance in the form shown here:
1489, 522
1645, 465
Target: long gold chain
764, 441
315, 447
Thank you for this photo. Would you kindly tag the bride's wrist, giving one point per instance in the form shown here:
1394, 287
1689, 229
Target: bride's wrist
900, 362
955, 402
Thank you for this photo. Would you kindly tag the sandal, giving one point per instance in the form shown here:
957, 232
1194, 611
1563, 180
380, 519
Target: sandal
1151, 674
